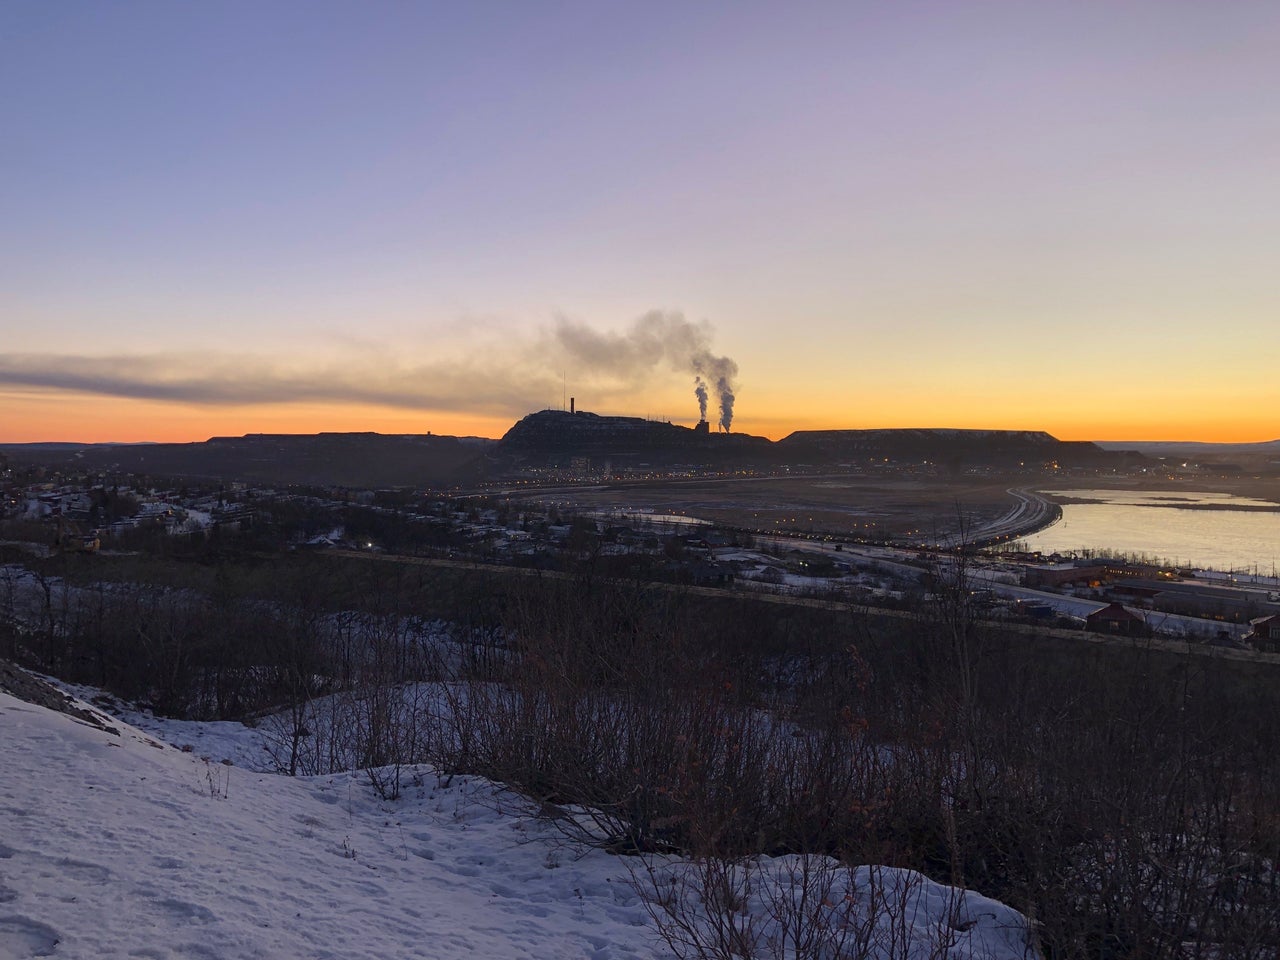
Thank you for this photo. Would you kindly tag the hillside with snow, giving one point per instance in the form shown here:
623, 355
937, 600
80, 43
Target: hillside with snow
116, 843
119, 845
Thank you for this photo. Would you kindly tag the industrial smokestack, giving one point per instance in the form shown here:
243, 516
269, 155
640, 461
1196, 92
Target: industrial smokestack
720, 370
725, 390
656, 338
571, 401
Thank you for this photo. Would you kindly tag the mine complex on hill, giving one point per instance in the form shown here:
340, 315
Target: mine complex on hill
563, 440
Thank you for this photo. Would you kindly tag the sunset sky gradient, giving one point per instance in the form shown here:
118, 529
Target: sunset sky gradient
233, 217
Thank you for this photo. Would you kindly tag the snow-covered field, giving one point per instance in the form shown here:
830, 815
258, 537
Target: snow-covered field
124, 845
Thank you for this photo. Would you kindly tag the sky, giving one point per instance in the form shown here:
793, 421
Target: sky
409, 217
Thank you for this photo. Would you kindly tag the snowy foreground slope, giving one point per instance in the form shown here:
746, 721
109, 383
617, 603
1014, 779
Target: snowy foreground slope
124, 846
118, 846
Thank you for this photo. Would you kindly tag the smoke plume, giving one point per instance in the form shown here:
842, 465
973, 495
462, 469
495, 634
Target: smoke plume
720, 372
660, 337
513, 371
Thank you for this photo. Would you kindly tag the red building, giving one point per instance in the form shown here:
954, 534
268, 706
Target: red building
1265, 634
1115, 618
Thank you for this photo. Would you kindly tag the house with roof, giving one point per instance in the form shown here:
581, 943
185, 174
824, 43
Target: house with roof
1117, 618
1265, 633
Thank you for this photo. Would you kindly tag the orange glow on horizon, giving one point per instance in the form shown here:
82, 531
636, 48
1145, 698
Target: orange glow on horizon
68, 418
107, 419
1258, 430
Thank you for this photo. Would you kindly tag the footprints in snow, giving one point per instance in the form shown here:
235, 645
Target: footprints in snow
22, 937
91, 872
192, 912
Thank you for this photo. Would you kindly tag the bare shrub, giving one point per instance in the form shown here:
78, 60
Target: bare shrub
809, 907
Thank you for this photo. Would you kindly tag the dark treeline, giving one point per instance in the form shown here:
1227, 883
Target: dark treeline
1124, 798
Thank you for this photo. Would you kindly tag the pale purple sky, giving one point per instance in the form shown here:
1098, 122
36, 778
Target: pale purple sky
874, 205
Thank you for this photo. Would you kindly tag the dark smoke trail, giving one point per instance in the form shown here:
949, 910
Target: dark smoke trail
700, 391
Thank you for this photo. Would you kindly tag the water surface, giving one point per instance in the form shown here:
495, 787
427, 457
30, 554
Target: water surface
1184, 527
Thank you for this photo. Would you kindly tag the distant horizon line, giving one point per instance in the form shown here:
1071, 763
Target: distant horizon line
141, 443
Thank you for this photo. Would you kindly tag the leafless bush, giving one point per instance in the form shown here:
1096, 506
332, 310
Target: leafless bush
810, 907
1127, 799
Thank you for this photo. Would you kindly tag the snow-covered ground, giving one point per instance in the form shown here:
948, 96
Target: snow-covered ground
122, 846
125, 844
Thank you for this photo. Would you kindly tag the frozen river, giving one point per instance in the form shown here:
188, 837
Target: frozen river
1187, 528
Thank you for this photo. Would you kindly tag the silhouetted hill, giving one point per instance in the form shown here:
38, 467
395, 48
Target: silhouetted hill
956, 448
555, 438
552, 439
1192, 448
325, 459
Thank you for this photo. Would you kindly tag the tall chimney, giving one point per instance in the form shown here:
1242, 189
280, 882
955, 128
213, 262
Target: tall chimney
571, 399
